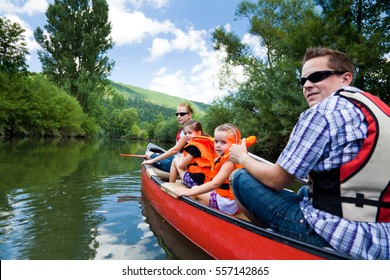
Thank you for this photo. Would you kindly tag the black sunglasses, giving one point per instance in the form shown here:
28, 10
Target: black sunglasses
319, 76
182, 114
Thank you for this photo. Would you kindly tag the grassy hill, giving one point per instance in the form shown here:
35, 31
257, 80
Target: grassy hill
157, 98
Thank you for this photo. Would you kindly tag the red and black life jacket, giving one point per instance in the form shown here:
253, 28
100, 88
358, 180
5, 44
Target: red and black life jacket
360, 189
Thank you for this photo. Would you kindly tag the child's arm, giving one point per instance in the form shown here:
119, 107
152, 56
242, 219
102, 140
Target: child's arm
217, 181
185, 161
179, 167
171, 152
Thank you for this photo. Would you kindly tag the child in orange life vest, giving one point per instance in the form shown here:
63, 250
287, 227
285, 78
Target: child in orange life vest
217, 193
194, 167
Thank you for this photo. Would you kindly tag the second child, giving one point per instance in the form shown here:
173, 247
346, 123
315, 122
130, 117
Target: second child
198, 156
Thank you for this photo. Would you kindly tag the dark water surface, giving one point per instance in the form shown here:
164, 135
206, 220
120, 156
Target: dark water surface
80, 200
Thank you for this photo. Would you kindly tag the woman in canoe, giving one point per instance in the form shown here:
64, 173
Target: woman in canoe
163, 161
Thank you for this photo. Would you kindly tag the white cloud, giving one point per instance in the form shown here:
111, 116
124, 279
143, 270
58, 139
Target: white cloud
32, 7
173, 84
200, 85
156, 4
193, 40
254, 43
29, 7
133, 27
160, 47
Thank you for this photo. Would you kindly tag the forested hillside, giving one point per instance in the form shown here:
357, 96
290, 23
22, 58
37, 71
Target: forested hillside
150, 103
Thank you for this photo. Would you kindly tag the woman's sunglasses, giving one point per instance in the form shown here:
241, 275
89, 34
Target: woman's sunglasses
182, 114
319, 76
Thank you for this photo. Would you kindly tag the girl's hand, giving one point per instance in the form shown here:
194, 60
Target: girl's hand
149, 161
183, 191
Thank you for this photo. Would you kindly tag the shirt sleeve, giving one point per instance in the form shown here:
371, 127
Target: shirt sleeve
306, 145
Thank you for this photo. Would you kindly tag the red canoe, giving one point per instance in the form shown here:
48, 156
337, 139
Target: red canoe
220, 235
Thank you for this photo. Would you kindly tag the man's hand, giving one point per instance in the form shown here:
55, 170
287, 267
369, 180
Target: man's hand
238, 152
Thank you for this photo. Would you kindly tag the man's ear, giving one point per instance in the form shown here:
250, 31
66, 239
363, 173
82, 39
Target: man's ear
347, 78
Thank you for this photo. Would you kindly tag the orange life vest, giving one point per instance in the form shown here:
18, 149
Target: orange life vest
202, 164
225, 190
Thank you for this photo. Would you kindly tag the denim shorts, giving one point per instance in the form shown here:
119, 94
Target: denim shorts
165, 164
279, 210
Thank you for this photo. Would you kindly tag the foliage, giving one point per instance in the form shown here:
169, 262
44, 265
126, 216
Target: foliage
34, 106
31, 105
166, 131
362, 30
269, 102
221, 112
13, 48
73, 51
122, 122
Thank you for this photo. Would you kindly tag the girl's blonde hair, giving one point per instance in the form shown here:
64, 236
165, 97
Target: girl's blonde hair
228, 127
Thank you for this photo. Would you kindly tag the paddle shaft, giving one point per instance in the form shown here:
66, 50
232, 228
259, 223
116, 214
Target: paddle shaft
132, 155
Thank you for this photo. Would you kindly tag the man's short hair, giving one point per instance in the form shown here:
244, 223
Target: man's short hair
337, 60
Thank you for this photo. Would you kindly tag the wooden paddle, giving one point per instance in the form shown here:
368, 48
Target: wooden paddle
132, 155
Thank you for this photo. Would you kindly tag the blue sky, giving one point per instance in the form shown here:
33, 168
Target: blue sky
162, 45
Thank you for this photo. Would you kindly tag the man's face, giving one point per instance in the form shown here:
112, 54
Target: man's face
318, 91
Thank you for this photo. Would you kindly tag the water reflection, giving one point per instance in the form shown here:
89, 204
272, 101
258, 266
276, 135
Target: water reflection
50, 193
175, 244
79, 200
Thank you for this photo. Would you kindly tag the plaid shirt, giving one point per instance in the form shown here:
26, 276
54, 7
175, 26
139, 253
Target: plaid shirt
326, 136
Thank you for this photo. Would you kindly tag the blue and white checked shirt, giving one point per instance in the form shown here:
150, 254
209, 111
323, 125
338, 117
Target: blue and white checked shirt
326, 136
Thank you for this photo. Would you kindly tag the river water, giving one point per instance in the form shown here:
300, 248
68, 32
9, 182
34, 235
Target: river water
80, 200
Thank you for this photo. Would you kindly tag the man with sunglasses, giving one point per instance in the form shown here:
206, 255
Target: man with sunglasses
337, 142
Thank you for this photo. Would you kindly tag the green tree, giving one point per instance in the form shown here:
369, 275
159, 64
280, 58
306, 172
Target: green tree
269, 102
13, 48
362, 30
122, 122
74, 49
217, 114
31, 105
166, 131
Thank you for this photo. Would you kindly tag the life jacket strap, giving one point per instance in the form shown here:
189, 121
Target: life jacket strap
359, 200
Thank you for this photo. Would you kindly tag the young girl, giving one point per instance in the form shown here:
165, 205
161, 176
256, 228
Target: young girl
194, 167
217, 193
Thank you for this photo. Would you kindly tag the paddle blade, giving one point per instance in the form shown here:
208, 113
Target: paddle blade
250, 140
132, 155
